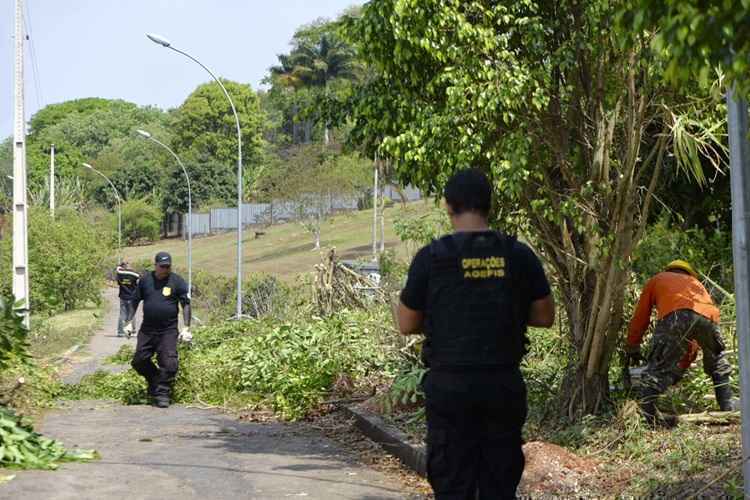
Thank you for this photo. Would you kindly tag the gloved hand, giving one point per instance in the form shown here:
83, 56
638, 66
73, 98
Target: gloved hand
633, 354
128, 329
185, 335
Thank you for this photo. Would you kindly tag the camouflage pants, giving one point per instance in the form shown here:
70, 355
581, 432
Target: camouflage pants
671, 341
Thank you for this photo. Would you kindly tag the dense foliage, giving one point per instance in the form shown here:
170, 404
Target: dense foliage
141, 222
240, 363
67, 259
574, 130
13, 333
698, 37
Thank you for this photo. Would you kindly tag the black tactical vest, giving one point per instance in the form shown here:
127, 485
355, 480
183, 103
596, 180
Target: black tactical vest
471, 319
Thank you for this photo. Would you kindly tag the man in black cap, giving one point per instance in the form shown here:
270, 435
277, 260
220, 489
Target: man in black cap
160, 290
127, 280
473, 293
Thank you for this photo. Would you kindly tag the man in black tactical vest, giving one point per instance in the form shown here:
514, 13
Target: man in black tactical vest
162, 292
127, 280
472, 294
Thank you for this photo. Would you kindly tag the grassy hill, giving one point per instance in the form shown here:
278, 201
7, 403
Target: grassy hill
286, 249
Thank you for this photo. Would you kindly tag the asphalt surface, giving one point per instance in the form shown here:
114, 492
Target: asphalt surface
185, 453
103, 343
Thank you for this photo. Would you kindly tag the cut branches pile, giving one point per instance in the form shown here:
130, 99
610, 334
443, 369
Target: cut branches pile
337, 287
21, 447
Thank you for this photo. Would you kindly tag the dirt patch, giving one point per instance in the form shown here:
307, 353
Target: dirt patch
553, 470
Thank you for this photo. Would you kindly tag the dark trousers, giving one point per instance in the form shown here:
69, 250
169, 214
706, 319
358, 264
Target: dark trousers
164, 344
672, 337
474, 423
126, 306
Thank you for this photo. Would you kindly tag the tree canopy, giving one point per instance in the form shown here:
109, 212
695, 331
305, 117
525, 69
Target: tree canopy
574, 129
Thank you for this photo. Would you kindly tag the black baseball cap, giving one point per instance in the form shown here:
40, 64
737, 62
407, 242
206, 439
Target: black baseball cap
163, 259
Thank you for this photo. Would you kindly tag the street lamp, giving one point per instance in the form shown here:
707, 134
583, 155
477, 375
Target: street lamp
166, 43
147, 135
119, 210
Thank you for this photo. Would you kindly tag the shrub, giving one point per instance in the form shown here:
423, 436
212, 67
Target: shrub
292, 366
67, 261
13, 334
263, 295
419, 230
140, 221
289, 367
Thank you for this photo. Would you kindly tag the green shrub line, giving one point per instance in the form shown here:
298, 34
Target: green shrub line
289, 367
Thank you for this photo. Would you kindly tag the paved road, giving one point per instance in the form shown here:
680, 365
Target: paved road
186, 453
103, 343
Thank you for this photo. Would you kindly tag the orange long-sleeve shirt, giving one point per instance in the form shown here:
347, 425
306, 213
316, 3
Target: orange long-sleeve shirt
669, 292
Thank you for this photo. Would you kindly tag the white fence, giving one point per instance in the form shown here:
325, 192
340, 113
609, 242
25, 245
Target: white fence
225, 219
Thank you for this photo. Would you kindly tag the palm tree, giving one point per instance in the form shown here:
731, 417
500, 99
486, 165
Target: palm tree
315, 64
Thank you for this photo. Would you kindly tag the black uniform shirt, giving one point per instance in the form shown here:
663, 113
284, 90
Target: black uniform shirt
160, 298
127, 279
527, 268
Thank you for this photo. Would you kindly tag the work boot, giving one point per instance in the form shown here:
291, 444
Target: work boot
161, 401
654, 418
724, 394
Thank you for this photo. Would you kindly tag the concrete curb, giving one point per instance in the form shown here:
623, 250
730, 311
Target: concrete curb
391, 439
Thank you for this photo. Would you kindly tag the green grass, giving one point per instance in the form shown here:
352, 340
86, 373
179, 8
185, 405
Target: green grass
286, 249
55, 335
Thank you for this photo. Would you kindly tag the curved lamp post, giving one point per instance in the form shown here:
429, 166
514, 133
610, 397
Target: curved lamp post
166, 43
148, 135
119, 210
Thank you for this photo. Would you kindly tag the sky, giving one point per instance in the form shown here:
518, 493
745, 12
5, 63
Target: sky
98, 48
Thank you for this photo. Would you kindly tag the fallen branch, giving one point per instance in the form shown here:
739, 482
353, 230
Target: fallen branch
711, 418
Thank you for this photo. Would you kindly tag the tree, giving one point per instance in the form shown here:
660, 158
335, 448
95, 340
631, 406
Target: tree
319, 58
574, 130
210, 182
310, 182
697, 37
141, 221
67, 260
81, 130
204, 125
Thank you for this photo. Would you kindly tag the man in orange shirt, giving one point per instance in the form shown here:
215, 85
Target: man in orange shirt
687, 318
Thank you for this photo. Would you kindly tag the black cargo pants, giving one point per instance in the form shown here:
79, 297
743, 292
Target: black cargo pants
474, 423
164, 345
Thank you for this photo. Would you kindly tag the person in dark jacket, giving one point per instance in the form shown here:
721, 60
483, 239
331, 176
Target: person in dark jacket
472, 294
127, 280
162, 292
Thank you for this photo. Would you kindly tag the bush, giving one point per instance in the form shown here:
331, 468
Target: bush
314, 354
140, 221
263, 295
13, 334
67, 261
289, 367
419, 230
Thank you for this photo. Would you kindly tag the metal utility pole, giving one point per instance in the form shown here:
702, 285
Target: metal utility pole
739, 159
375, 212
20, 241
382, 212
52, 181
166, 43
147, 135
